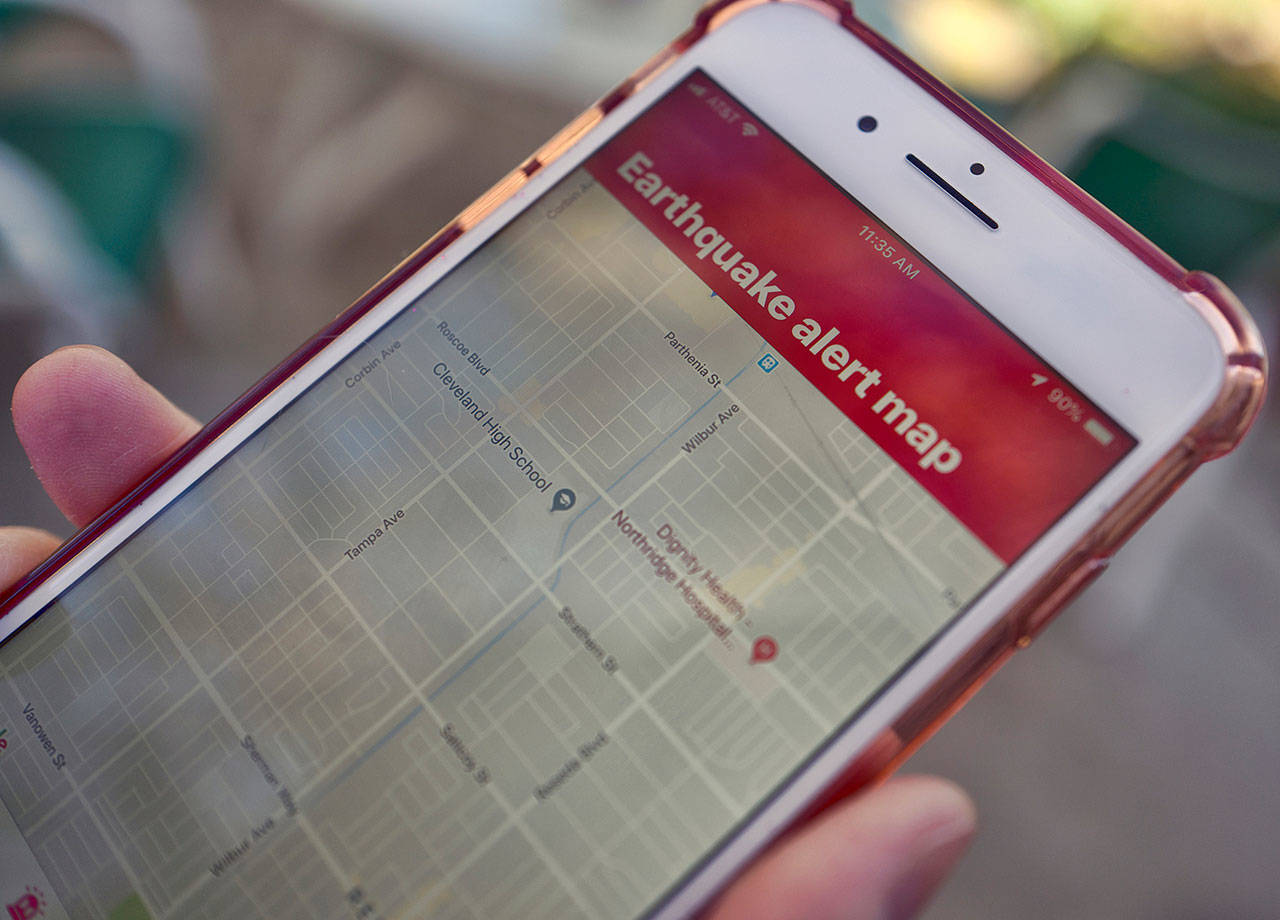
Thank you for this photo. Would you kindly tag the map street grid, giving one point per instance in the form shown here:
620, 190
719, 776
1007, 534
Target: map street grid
363, 670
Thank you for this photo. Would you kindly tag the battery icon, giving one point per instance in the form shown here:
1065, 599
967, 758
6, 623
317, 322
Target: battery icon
1101, 434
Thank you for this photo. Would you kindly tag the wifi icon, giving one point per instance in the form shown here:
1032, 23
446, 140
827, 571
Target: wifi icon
749, 130
697, 89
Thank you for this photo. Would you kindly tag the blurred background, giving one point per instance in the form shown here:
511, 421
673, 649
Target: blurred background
200, 185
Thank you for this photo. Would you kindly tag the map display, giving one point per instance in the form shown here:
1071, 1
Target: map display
514, 614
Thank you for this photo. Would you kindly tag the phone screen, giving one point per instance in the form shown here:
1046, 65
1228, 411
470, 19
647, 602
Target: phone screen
541, 592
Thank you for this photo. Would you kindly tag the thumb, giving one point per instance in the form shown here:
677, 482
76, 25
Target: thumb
878, 856
92, 428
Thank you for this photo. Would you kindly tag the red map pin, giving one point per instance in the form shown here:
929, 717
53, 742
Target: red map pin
764, 649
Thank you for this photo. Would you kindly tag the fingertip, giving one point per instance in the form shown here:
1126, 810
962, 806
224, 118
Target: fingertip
932, 799
881, 854
50, 386
92, 428
68, 359
912, 830
942, 825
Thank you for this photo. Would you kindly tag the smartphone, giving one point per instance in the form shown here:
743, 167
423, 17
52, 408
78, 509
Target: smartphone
684, 482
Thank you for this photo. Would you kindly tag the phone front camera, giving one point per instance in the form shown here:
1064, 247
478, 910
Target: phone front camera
867, 123
977, 169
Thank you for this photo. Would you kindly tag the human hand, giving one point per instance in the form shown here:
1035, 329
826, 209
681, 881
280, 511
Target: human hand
93, 429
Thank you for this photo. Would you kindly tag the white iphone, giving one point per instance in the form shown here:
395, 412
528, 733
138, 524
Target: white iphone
691, 476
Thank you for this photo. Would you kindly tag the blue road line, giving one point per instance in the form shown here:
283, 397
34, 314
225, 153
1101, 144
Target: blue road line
373, 749
565, 539
501, 634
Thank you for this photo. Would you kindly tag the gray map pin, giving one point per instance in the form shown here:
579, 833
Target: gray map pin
563, 500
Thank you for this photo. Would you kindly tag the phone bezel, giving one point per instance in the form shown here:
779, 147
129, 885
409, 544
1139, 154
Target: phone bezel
1162, 377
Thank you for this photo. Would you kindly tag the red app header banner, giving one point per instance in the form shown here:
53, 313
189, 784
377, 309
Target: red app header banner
913, 362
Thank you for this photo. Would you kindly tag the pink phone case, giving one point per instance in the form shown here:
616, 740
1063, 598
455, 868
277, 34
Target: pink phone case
1218, 431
